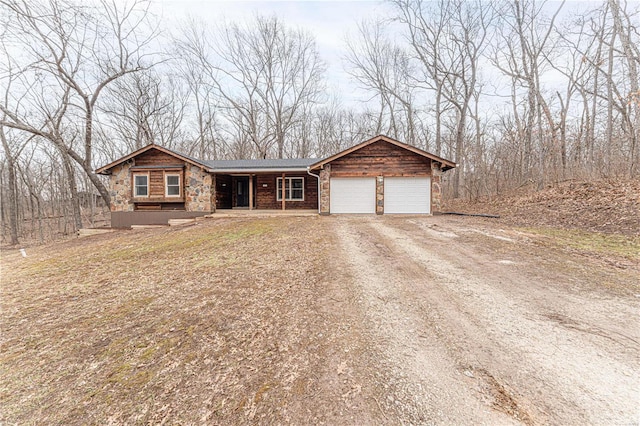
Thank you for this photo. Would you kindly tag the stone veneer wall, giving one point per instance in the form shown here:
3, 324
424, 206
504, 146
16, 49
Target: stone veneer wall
198, 190
325, 176
120, 188
436, 186
380, 195
436, 189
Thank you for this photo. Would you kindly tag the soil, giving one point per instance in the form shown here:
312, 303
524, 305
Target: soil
323, 320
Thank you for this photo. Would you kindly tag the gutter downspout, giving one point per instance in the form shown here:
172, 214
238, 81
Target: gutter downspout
319, 195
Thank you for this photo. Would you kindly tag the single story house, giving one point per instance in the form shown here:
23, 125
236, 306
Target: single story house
381, 175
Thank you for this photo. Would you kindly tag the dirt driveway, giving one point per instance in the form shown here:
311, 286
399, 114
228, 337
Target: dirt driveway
468, 323
358, 320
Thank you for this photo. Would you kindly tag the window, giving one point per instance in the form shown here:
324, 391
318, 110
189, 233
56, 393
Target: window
293, 189
172, 185
141, 185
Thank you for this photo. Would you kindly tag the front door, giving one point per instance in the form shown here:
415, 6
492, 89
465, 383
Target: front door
242, 191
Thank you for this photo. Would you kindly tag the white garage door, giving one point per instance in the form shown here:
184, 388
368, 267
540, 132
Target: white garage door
352, 195
407, 195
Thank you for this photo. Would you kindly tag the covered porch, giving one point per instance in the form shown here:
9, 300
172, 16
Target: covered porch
264, 185
266, 191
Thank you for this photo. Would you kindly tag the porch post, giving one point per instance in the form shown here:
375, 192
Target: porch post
250, 192
283, 192
214, 194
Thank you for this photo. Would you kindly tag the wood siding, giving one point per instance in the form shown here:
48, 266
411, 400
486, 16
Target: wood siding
157, 185
157, 200
266, 197
381, 159
155, 157
153, 206
223, 193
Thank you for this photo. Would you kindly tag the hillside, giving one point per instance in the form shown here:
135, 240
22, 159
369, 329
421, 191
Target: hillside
606, 206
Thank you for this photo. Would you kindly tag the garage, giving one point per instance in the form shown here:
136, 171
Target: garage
409, 195
353, 195
382, 176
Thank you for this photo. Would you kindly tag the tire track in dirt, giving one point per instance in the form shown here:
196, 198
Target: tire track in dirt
417, 379
544, 371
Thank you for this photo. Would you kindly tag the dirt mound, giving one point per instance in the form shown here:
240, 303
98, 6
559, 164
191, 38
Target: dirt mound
608, 206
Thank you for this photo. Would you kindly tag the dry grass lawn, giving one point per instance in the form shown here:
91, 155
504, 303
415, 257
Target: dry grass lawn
202, 324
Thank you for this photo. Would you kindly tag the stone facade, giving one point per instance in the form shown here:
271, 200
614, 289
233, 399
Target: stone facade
198, 190
436, 186
325, 188
120, 188
380, 195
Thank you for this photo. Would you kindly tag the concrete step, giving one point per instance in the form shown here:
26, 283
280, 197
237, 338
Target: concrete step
86, 232
179, 222
147, 226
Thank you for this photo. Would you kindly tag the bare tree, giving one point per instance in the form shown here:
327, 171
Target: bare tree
607, 83
75, 52
12, 206
11, 153
448, 39
194, 70
382, 67
523, 53
629, 40
264, 74
143, 108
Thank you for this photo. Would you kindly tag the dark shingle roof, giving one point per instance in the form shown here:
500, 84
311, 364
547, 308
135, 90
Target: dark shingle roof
284, 164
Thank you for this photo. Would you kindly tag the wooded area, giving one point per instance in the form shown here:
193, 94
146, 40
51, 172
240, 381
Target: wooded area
516, 92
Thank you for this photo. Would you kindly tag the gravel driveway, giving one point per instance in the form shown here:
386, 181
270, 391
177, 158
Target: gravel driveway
466, 323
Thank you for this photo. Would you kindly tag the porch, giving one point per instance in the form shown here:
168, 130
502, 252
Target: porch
265, 192
225, 213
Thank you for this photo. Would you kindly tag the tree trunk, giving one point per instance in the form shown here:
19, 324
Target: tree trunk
610, 100
12, 191
95, 180
634, 95
73, 190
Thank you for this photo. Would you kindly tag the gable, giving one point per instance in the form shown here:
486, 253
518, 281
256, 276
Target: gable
381, 139
155, 157
381, 158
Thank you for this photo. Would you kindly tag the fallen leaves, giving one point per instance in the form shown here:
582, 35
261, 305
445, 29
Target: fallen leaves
175, 325
606, 206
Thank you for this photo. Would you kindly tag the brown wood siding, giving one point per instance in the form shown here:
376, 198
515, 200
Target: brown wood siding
381, 159
151, 205
154, 157
156, 199
223, 193
156, 184
266, 197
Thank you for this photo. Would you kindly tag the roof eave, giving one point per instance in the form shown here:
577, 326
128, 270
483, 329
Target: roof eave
105, 170
259, 170
321, 163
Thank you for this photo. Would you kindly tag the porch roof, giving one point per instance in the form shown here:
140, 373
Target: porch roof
261, 165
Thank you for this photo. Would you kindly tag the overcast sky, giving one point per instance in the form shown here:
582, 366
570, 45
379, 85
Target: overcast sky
330, 22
